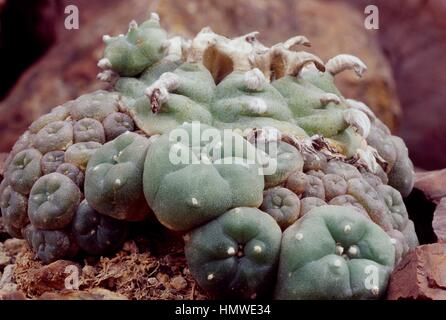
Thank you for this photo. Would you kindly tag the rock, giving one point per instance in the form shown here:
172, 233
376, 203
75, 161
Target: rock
3, 157
92, 294
420, 275
152, 281
413, 35
48, 278
162, 277
14, 246
439, 221
7, 277
12, 295
39, 32
432, 184
4, 258
178, 283
3, 234
69, 69
427, 206
427, 203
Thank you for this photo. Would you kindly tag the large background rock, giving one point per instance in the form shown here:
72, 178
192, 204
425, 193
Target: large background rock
27, 30
413, 36
428, 202
69, 68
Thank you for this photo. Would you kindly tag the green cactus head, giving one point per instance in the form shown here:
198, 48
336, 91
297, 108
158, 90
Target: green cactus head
333, 253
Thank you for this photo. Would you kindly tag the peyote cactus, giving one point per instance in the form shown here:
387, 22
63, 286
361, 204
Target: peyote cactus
329, 253
189, 193
282, 187
113, 180
236, 254
96, 233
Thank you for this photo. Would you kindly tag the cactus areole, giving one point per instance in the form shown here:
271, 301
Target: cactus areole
281, 187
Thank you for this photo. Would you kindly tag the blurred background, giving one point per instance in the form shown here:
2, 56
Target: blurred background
43, 64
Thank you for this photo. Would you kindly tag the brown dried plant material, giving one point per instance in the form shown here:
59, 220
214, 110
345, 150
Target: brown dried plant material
150, 267
129, 274
143, 276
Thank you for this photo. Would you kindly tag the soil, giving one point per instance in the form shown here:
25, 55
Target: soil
148, 267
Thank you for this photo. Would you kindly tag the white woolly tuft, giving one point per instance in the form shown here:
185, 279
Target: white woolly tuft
358, 120
231, 251
255, 80
339, 250
265, 134
106, 38
353, 251
343, 62
361, 106
206, 29
297, 40
257, 105
294, 62
154, 16
107, 76
104, 64
167, 82
133, 25
326, 98
347, 228
251, 37
368, 157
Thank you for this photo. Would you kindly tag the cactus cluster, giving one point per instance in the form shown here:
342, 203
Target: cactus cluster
42, 194
316, 226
